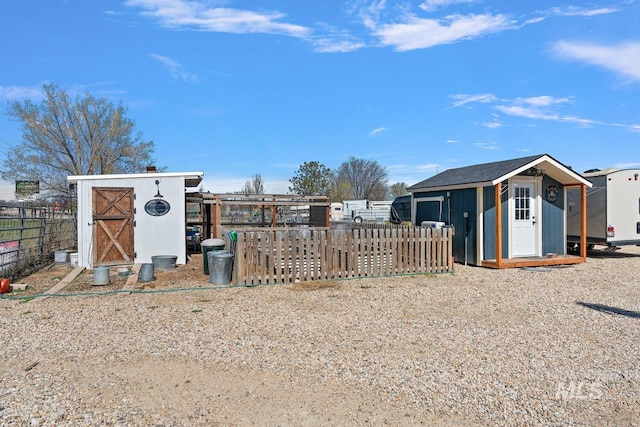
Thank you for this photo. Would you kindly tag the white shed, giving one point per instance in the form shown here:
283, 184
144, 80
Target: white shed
128, 218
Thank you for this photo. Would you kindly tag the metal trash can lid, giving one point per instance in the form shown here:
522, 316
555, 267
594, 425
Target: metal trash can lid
212, 242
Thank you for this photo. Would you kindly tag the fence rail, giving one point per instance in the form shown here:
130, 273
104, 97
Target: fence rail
29, 237
277, 256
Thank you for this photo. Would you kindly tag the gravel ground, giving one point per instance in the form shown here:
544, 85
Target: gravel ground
546, 346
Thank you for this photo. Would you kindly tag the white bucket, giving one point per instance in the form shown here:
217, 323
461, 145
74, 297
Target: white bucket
73, 259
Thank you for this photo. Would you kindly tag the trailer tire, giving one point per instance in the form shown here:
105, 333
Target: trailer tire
357, 219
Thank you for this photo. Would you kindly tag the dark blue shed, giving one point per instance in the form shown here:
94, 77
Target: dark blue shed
510, 213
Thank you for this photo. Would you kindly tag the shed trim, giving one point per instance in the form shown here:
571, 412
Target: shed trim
191, 179
539, 160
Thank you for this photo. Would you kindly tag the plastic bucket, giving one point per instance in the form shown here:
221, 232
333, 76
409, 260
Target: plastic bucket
221, 266
146, 273
73, 259
61, 257
164, 262
210, 245
101, 276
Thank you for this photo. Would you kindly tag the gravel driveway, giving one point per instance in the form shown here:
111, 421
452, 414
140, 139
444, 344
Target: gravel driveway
545, 346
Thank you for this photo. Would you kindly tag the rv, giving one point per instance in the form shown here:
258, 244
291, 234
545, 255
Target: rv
401, 209
613, 209
367, 210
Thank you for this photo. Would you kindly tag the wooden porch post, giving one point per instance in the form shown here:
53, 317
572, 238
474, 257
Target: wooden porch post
583, 222
327, 215
498, 189
274, 213
216, 218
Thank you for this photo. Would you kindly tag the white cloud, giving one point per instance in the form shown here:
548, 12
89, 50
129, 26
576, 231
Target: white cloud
332, 45
428, 167
493, 146
492, 125
534, 108
177, 71
377, 131
418, 33
462, 99
623, 59
20, 92
581, 11
220, 184
526, 111
627, 165
433, 5
198, 15
542, 101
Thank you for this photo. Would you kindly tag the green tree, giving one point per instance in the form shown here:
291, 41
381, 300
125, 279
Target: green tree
339, 191
367, 178
311, 179
61, 137
398, 189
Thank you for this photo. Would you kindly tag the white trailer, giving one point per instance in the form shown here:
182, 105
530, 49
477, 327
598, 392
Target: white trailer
367, 210
613, 209
336, 212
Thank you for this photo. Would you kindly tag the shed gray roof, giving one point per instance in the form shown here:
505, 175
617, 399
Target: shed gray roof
488, 173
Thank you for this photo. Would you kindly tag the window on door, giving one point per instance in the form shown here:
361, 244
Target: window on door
522, 200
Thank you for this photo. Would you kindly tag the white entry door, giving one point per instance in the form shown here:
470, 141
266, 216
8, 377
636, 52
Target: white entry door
523, 233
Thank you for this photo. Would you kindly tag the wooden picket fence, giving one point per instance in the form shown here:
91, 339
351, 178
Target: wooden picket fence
300, 255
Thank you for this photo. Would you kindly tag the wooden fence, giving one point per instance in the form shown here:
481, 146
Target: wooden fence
299, 255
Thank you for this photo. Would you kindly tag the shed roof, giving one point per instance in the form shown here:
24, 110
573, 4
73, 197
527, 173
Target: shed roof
489, 174
191, 179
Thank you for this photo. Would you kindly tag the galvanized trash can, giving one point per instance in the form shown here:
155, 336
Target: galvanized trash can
101, 276
210, 245
146, 272
221, 267
164, 262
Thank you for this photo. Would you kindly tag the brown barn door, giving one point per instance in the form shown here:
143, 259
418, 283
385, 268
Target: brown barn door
113, 226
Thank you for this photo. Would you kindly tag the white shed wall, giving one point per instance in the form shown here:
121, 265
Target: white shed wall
153, 235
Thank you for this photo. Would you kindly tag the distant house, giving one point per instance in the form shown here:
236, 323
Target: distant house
511, 213
128, 218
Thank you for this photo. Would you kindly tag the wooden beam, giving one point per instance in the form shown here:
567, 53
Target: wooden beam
535, 262
274, 213
266, 202
327, 217
216, 220
61, 284
583, 222
498, 198
132, 280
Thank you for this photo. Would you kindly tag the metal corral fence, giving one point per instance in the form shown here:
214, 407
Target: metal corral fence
299, 255
29, 237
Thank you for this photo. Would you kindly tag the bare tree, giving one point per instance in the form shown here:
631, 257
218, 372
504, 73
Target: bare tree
62, 137
367, 178
254, 186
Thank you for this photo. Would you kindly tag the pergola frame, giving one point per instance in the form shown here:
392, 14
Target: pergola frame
213, 203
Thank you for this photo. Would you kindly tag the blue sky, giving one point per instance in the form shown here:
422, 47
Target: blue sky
238, 87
